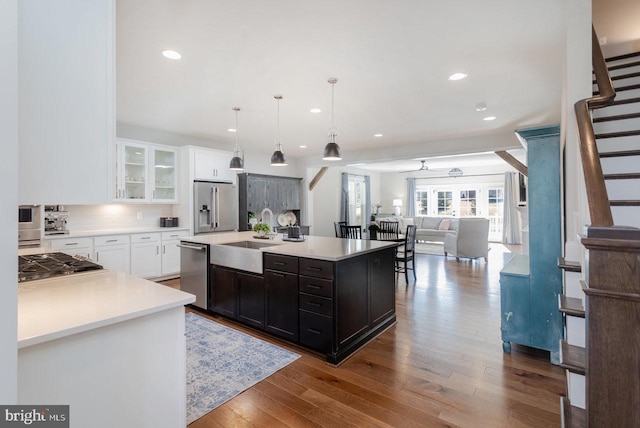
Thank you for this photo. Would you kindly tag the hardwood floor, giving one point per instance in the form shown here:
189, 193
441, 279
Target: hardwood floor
441, 365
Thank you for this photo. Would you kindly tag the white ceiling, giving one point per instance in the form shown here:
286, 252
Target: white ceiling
391, 58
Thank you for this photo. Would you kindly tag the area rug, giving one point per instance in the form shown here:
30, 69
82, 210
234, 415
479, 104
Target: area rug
223, 362
434, 248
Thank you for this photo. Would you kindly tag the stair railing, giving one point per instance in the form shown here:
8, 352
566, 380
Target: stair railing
599, 207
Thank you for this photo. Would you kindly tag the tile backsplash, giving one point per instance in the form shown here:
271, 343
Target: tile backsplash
115, 216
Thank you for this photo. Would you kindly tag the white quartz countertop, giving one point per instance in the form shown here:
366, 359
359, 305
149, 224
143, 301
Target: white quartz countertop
89, 233
53, 308
314, 247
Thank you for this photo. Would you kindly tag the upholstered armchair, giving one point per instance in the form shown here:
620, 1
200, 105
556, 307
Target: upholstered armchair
471, 240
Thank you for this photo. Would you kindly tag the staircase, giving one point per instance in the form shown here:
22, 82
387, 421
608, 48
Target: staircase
601, 304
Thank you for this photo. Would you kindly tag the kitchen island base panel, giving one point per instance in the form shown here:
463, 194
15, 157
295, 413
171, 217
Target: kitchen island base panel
146, 355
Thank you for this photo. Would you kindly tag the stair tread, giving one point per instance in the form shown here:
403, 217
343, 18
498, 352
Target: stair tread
617, 134
574, 358
616, 117
625, 101
622, 76
624, 56
621, 88
571, 306
620, 153
622, 176
624, 203
572, 416
569, 265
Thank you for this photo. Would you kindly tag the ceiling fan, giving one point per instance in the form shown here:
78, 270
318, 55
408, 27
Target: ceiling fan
423, 167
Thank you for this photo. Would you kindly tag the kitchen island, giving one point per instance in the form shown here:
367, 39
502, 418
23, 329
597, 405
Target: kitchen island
329, 295
108, 344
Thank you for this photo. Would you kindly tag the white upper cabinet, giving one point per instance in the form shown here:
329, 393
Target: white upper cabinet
164, 175
131, 178
66, 90
144, 172
212, 165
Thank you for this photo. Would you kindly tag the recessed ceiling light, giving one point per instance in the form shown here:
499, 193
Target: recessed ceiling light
303, 147
377, 135
457, 76
315, 110
488, 118
481, 107
232, 130
171, 54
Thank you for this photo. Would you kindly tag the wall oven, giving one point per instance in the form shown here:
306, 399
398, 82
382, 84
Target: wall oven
29, 226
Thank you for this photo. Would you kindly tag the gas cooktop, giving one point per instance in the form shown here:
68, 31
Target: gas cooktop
49, 265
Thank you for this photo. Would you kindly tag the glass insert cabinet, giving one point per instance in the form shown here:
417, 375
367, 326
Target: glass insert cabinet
144, 172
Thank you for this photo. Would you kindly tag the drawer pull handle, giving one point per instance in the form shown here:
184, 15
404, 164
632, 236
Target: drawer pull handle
314, 331
146, 237
317, 305
112, 240
315, 287
316, 269
71, 243
278, 275
279, 263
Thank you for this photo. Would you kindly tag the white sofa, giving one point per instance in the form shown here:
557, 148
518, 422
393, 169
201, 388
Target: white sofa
427, 228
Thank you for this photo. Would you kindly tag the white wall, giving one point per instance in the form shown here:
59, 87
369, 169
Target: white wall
115, 216
577, 86
324, 200
8, 208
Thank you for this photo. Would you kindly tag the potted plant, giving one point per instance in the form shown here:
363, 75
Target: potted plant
261, 228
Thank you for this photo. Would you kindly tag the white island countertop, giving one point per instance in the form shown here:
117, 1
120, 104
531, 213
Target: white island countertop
314, 247
53, 308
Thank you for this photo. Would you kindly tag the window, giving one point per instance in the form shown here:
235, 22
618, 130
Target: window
445, 202
422, 202
357, 200
495, 202
468, 203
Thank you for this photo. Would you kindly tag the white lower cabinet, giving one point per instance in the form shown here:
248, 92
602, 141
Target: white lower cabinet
171, 251
74, 246
146, 260
112, 252
146, 255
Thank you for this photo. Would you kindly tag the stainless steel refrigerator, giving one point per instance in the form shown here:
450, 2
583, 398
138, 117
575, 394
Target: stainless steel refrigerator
215, 207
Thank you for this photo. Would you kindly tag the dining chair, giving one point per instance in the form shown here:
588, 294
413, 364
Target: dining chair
405, 254
351, 231
336, 226
387, 231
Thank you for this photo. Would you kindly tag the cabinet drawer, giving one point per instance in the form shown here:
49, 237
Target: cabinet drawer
316, 268
70, 243
316, 286
177, 234
318, 305
281, 263
145, 237
101, 241
316, 331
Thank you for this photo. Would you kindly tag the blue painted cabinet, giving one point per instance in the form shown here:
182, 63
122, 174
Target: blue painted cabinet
544, 327
514, 302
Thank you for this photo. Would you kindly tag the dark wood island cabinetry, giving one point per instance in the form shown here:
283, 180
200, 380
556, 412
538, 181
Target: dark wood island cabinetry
329, 306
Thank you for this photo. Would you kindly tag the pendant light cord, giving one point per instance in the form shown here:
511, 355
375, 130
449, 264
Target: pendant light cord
333, 85
236, 110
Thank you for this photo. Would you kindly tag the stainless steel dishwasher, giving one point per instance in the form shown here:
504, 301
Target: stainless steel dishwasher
194, 271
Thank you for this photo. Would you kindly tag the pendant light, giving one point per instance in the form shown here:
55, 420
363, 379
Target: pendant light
332, 150
278, 158
237, 161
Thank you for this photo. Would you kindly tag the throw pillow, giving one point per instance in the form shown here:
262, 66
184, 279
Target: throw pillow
444, 224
